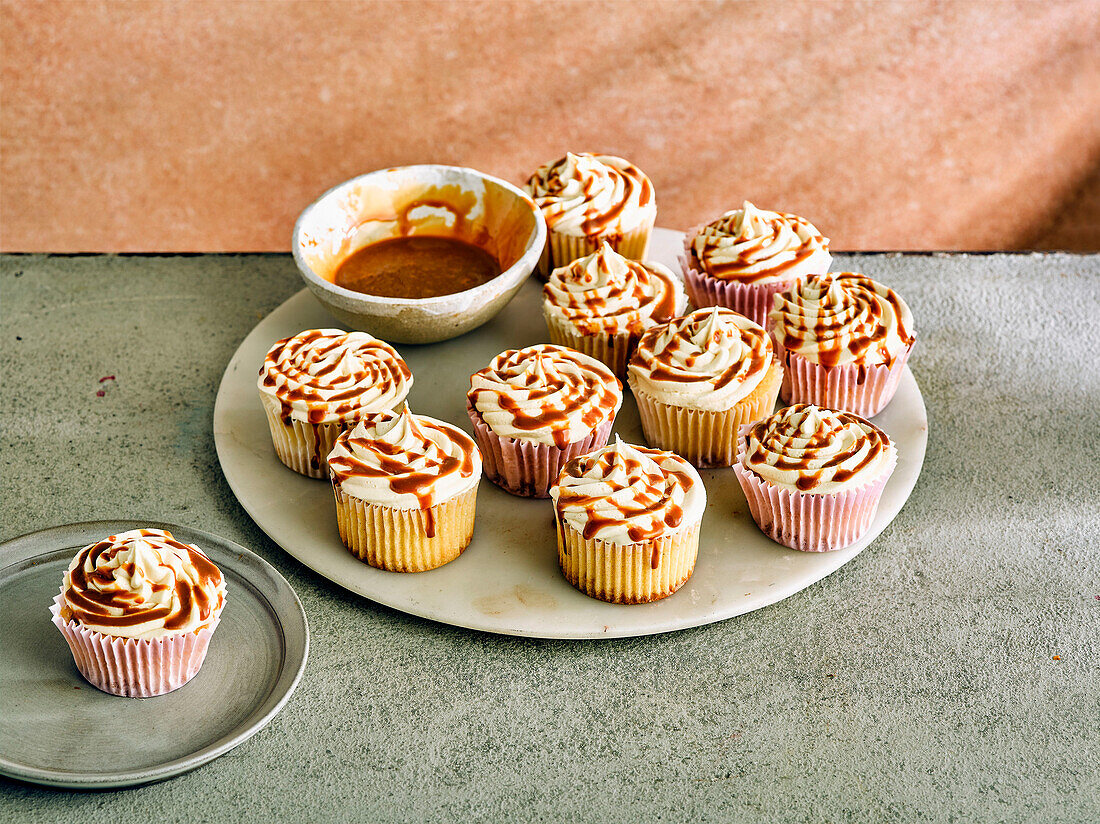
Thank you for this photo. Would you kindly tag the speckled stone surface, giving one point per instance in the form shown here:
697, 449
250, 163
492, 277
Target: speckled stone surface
917, 683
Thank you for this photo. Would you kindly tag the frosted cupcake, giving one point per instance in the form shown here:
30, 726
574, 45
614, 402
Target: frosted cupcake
406, 490
699, 378
602, 303
590, 199
321, 382
747, 255
534, 409
843, 340
138, 610
813, 477
627, 521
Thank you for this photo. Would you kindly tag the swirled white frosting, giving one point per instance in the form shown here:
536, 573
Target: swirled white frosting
588, 195
708, 360
805, 448
606, 292
841, 318
327, 375
404, 461
545, 393
625, 494
142, 584
756, 246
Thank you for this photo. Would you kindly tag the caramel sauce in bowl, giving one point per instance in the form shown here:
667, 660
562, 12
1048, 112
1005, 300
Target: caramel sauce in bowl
412, 202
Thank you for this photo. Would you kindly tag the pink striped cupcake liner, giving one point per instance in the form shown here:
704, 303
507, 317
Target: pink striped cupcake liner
810, 522
524, 468
864, 390
754, 301
134, 667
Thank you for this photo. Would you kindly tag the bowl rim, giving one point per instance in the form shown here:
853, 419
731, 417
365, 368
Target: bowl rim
531, 253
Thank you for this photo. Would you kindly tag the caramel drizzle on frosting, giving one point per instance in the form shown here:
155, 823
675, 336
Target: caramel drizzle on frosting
689, 350
544, 387
751, 244
819, 445
335, 374
631, 487
430, 453
94, 591
606, 291
595, 174
843, 317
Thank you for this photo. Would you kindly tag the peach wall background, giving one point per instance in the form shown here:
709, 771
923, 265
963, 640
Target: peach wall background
207, 126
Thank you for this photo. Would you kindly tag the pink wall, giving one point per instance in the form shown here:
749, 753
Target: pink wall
164, 126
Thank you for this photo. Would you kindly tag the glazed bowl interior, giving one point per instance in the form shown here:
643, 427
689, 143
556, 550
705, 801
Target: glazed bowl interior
447, 201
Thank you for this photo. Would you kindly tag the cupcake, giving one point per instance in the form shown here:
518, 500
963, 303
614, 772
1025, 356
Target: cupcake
699, 378
627, 520
534, 409
843, 340
602, 303
590, 199
813, 477
138, 610
406, 489
747, 255
321, 382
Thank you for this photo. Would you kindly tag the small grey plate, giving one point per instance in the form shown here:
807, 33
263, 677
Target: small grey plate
57, 729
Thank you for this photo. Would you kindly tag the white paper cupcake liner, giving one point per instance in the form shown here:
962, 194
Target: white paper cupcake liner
406, 540
562, 249
627, 574
301, 446
612, 350
705, 437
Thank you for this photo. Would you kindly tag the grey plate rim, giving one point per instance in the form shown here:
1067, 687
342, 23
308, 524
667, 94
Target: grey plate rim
284, 606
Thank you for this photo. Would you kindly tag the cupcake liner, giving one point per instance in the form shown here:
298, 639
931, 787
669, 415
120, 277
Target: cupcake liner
526, 468
562, 249
134, 667
806, 521
754, 301
705, 438
631, 573
301, 446
864, 390
613, 350
406, 540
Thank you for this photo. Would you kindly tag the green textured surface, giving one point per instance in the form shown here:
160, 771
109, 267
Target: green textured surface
917, 683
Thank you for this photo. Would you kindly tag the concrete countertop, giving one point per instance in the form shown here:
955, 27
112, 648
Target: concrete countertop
951, 672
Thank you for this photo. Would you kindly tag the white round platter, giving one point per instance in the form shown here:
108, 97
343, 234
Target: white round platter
508, 580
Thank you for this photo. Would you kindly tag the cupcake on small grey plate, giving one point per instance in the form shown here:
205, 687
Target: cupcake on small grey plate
406, 490
627, 522
321, 382
602, 303
533, 409
699, 378
138, 610
591, 199
813, 477
843, 340
747, 255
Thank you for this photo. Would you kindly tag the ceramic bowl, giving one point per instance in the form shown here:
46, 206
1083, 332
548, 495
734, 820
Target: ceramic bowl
410, 200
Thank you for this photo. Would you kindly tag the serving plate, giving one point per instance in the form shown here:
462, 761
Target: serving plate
57, 729
508, 580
